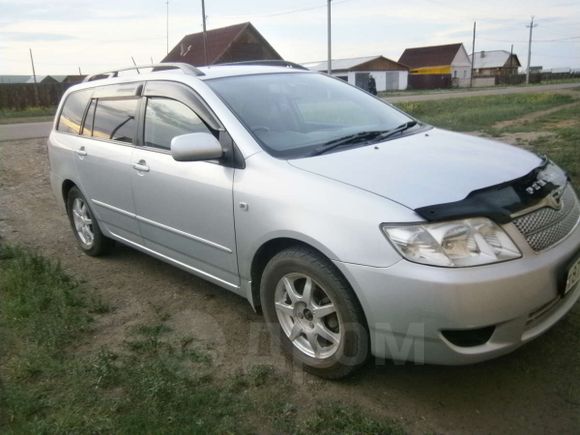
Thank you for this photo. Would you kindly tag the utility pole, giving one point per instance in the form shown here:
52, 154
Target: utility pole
80, 73
531, 27
329, 40
204, 32
472, 55
167, 26
32, 62
34, 76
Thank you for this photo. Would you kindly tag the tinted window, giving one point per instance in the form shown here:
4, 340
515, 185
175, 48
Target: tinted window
165, 119
294, 114
116, 119
87, 129
73, 111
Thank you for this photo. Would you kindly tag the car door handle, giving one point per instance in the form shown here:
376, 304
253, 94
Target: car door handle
141, 166
81, 152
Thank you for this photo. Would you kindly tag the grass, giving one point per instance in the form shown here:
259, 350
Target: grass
478, 113
9, 116
156, 383
557, 135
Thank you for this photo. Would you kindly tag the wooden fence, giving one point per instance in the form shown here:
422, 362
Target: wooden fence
22, 95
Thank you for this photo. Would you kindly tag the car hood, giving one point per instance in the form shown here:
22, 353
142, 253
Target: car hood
427, 168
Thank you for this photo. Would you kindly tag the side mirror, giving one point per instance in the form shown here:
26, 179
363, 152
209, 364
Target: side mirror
194, 147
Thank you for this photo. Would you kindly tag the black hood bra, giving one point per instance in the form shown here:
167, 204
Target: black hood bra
501, 201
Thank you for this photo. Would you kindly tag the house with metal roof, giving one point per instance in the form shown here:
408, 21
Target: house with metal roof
388, 74
237, 43
495, 63
446, 64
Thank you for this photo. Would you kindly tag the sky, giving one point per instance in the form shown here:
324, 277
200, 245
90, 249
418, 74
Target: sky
95, 36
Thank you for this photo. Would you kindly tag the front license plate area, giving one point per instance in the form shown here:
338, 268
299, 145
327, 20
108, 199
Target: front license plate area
572, 276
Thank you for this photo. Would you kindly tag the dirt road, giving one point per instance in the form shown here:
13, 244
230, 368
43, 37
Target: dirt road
528, 391
28, 130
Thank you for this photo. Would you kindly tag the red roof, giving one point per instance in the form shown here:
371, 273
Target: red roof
227, 44
430, 56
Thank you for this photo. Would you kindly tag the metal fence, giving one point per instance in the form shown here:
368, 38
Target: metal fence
23, 95
429, 81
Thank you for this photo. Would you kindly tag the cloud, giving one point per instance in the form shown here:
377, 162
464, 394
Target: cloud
65, 34
32, 37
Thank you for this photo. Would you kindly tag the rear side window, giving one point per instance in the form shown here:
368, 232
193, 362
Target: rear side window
73, 111
166, 118
116, 119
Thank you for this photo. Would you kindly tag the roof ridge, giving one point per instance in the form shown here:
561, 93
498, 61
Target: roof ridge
218, 28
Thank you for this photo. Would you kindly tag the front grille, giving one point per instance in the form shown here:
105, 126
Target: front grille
545, 227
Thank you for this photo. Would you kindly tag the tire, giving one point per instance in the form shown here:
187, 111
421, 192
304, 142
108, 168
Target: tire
323, 329
85, 226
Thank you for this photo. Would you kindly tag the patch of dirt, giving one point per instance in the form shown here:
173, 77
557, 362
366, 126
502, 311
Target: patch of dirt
524, 138
534, 115
523, 392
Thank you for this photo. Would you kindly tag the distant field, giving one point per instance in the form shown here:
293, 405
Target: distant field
27, 115
547, 123
478, 113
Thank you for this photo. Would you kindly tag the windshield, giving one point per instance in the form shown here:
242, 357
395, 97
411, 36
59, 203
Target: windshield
298, 114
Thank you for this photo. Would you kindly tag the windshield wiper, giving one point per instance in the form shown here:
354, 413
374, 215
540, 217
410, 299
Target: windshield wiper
399, 129
347, 140
363, 136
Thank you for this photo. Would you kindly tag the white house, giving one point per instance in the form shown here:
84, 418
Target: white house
388, 74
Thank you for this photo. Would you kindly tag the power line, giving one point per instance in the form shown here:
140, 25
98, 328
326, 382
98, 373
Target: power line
286, 11
572, 39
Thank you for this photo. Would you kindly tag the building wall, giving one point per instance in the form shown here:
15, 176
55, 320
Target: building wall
479, 82
439, 69
461, 68
397, 80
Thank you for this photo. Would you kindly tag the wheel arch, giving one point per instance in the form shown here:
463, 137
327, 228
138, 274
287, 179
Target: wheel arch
67, 185
272, 247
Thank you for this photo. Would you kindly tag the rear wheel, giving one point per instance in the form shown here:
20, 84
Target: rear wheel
85, 226
313, 313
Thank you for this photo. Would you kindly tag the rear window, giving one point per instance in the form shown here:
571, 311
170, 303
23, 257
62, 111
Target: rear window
116, 119
73, 111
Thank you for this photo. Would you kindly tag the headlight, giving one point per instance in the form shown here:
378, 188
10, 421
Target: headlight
461, 243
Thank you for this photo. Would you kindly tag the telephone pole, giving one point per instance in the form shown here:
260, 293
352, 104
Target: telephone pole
204, 32
167, 26
329, 40
32, 62
34, 76
531, 27
472, 55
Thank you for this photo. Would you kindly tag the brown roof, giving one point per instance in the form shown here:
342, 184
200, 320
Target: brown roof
430, 56
226, 44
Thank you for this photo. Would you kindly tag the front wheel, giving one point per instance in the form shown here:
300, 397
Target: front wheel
313, 313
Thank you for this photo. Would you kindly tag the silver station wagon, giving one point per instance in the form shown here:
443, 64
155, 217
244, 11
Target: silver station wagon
356, 229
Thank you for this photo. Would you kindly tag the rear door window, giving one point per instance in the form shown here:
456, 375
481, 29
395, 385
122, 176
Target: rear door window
166, 118
115, 119
73, 111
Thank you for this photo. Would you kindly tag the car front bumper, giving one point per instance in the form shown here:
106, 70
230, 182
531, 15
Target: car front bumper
408, 305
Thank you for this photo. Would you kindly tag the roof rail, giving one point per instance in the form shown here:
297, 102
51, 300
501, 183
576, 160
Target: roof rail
185, 67
272, 62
